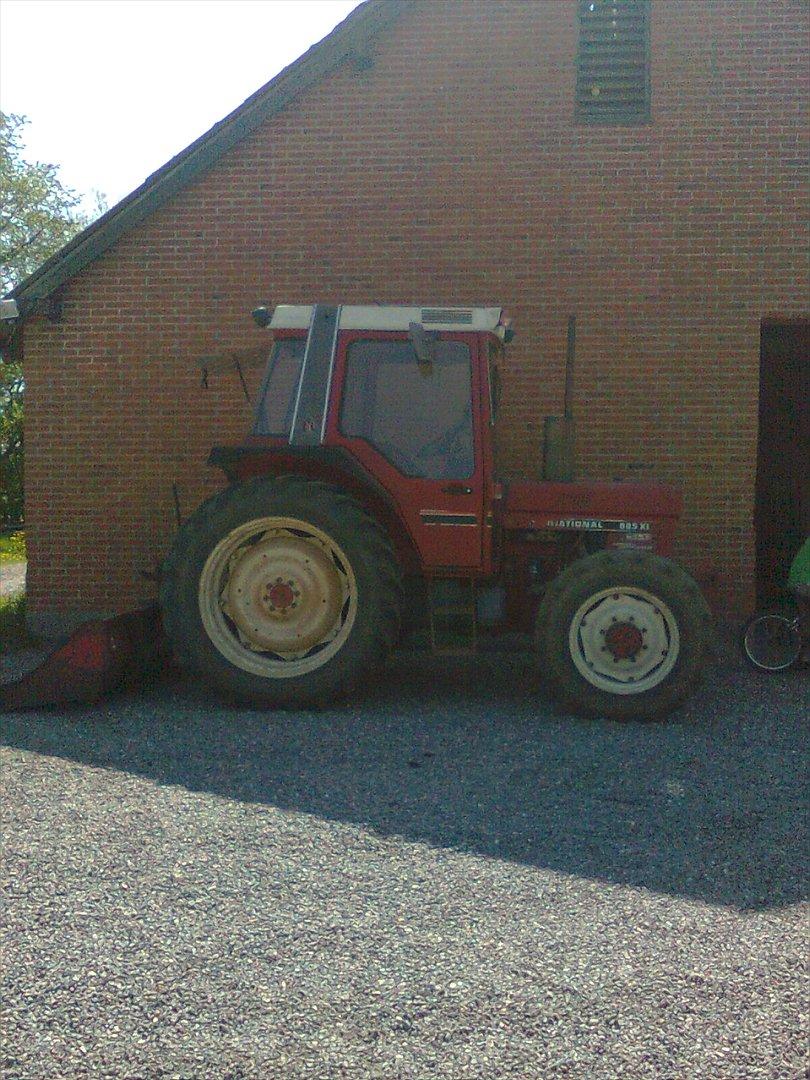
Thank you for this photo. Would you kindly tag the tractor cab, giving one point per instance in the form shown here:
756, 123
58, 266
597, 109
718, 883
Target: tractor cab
402, 398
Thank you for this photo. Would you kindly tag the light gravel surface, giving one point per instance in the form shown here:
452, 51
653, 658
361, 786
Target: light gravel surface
12, 578
445, 879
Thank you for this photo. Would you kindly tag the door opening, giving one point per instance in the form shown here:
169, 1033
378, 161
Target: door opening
782, 504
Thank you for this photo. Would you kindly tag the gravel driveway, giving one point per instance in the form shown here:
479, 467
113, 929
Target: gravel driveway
12, 578
446, 879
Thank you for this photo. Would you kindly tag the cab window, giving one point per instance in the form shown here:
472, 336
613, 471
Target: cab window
418, 417
277, 397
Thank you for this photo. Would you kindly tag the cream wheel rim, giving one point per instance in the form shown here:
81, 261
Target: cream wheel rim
278, 597
624, 640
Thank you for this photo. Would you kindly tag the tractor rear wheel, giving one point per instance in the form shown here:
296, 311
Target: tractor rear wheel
281, 591
623, 634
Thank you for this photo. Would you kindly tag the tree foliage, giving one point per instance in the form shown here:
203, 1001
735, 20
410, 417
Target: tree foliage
38, 215
11, 443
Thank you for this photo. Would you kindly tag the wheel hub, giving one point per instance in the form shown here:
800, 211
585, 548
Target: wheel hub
284, 594
624, 640
279, 596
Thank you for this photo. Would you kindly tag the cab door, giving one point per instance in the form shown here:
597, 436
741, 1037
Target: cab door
417, 428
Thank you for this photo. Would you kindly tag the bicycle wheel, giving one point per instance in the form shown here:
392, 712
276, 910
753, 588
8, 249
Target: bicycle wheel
772, 641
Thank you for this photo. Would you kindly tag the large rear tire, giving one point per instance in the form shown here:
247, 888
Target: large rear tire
623, 634
282, 592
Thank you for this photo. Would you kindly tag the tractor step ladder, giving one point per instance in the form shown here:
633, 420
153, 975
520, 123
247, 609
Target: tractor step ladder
454, 618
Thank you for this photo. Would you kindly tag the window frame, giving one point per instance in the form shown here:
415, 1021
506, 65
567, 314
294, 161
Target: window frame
496, 353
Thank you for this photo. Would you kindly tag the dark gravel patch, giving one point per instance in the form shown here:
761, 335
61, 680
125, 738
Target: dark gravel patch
444, 879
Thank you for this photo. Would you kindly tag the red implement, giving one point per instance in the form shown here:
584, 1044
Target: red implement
97, 658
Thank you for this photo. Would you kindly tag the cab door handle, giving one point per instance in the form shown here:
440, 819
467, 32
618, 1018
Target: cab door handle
457, 489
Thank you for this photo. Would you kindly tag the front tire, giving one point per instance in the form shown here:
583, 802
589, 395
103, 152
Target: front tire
282, 592
623, 634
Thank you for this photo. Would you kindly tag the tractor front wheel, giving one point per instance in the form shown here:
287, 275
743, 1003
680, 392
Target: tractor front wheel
623, 634
281, 591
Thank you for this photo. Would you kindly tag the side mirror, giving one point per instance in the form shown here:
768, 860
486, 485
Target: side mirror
261, 316
424, 345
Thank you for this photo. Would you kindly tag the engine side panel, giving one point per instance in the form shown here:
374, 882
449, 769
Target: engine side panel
622, 515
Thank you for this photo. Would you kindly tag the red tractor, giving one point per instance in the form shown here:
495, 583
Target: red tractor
367, 494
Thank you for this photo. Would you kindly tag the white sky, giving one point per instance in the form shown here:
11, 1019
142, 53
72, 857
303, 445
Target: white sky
114, 88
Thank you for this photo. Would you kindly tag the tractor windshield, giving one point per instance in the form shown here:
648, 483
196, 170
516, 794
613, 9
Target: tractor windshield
277, 396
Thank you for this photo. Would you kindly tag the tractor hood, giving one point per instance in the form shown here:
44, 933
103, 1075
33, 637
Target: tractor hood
628, 510
593, 499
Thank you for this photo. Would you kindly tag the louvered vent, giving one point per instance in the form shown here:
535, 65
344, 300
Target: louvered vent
446, 315
613, 84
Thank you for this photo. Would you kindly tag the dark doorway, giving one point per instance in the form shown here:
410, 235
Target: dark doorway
782, 513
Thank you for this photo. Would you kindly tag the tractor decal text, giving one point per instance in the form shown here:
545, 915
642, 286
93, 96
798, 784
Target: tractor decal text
598, 525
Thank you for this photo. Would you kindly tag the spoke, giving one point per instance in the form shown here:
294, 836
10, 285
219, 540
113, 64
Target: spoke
244, 641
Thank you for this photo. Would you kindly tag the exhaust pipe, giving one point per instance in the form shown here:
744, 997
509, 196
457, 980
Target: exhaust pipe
559, 444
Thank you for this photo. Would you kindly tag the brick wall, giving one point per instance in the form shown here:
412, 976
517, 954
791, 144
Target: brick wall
452, 171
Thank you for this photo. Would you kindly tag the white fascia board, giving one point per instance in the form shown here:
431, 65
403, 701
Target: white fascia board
391, 317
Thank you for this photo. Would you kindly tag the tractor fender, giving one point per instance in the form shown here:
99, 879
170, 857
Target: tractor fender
329, 464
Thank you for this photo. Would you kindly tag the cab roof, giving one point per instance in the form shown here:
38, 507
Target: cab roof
391, 317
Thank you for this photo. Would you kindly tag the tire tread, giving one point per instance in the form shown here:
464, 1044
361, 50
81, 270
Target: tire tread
178, 592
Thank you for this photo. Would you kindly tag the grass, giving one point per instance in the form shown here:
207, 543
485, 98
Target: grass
13, 634
12, 547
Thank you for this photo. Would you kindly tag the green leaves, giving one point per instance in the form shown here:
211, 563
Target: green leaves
38, 213
11, 443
